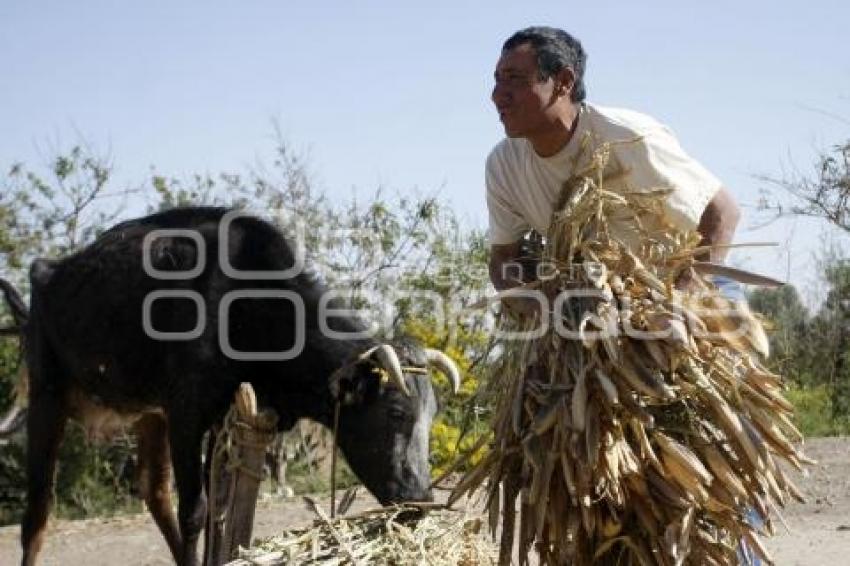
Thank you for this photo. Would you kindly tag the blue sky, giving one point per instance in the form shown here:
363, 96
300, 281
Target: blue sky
397, 94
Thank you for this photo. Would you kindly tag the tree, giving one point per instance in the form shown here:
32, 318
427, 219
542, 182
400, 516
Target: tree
831, 331
51, 213
825, 349
826, 195
789, 340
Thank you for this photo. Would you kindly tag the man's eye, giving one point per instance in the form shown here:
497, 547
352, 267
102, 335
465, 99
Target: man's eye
513, 80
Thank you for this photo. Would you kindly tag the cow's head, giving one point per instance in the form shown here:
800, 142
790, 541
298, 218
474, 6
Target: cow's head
387, 404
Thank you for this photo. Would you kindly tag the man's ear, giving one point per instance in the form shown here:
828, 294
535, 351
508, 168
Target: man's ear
565, 80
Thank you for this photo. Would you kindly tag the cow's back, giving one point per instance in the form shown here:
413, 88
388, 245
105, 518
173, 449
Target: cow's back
90, 307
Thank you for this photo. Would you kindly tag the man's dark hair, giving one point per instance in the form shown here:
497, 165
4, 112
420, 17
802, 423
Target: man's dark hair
555, 50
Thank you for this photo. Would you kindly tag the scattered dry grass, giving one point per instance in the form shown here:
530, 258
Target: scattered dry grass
406, 534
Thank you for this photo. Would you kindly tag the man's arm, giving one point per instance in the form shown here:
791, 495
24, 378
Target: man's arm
499, 256
717, 224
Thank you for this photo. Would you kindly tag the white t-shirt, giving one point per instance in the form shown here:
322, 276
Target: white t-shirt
523, 188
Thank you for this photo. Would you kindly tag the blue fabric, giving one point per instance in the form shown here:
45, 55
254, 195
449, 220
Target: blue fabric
733, 290
729, 288
745, 553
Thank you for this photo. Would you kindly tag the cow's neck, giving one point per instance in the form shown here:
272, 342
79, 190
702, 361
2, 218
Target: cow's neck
326, 358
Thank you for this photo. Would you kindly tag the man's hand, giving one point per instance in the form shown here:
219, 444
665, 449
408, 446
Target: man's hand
506, 273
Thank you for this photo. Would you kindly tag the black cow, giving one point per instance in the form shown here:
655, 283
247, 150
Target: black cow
107, 336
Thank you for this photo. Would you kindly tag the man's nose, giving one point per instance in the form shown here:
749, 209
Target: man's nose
499, 96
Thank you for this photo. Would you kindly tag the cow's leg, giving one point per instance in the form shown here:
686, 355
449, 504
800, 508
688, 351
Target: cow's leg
154, 474
46, 419
185, 434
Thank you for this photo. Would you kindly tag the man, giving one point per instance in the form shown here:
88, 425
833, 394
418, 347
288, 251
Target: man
540, 96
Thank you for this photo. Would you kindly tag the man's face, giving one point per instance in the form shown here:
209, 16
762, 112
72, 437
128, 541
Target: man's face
524, 102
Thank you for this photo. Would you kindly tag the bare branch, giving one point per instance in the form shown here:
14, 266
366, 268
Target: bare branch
826, 196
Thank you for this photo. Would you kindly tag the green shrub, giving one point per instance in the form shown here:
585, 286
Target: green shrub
94, 479
814, 412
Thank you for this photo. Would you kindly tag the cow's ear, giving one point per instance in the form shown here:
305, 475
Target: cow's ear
360, 386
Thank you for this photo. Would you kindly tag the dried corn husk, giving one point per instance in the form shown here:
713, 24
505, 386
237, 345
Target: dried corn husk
646, 439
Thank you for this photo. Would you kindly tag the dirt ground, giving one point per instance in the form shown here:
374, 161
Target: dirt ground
818, 532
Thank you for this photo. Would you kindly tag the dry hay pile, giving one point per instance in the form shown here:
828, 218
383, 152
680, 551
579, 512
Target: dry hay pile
642, 425
406, 534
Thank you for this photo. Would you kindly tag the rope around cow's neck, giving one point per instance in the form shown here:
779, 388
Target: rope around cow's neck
333, 459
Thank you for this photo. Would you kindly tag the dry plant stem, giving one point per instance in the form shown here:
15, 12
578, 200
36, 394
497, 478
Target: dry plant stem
641, 426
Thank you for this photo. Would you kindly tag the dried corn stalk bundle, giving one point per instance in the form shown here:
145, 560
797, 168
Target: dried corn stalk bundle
407, 534
640, 426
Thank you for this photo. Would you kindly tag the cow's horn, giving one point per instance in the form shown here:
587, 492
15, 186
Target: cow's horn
444, 364
389, 360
